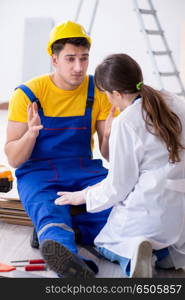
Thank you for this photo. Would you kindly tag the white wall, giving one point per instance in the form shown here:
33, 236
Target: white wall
182, 53
116, 29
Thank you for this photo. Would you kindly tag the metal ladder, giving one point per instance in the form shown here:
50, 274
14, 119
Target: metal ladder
89, 30
165, 52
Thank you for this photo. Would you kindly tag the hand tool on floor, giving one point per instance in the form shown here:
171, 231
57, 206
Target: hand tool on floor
8, 271
30, 261
6, 179
32, 267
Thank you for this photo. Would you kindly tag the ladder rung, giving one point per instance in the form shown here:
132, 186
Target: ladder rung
158, 32
161, 52
147, 11
169, 73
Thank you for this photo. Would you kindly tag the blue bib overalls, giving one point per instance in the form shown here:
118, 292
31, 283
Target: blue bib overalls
61, 161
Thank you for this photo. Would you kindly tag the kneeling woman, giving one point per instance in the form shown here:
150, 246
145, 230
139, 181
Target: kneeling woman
146, 179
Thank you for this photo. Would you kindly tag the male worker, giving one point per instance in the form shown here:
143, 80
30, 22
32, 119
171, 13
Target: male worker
49, 140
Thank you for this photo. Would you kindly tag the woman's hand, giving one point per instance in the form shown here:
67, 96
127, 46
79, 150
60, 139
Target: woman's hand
73, 198
108, 121
34, 122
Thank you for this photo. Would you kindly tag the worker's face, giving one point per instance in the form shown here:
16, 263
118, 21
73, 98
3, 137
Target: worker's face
71, 65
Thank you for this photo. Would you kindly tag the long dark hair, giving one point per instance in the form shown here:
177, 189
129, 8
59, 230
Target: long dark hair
121, 73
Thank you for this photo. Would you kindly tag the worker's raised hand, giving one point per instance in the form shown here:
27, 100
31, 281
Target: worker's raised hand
108, 122
72, 198
34, 122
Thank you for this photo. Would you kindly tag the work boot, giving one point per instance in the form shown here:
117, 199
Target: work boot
63, 262
141, 264
91, 264
34, 242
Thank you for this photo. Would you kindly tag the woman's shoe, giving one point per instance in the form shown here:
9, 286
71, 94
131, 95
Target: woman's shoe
141, 264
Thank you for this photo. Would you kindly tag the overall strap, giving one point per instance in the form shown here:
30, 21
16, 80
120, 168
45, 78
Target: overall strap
29, 94
90, 94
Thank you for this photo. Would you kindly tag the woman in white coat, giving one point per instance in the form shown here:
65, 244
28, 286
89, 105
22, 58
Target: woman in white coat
145, 184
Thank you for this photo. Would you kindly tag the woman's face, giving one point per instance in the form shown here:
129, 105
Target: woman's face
113, 97
121, 101
116, 99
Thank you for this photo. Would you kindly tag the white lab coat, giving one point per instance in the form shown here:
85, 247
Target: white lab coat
146, 191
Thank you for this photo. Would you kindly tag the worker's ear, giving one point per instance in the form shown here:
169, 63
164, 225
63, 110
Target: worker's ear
54, 59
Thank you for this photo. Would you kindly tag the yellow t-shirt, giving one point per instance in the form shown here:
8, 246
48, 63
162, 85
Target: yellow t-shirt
57, 102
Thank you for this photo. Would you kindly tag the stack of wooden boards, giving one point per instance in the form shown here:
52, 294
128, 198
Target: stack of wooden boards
12, 212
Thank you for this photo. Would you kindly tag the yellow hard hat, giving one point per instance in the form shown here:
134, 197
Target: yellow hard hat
66, 30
